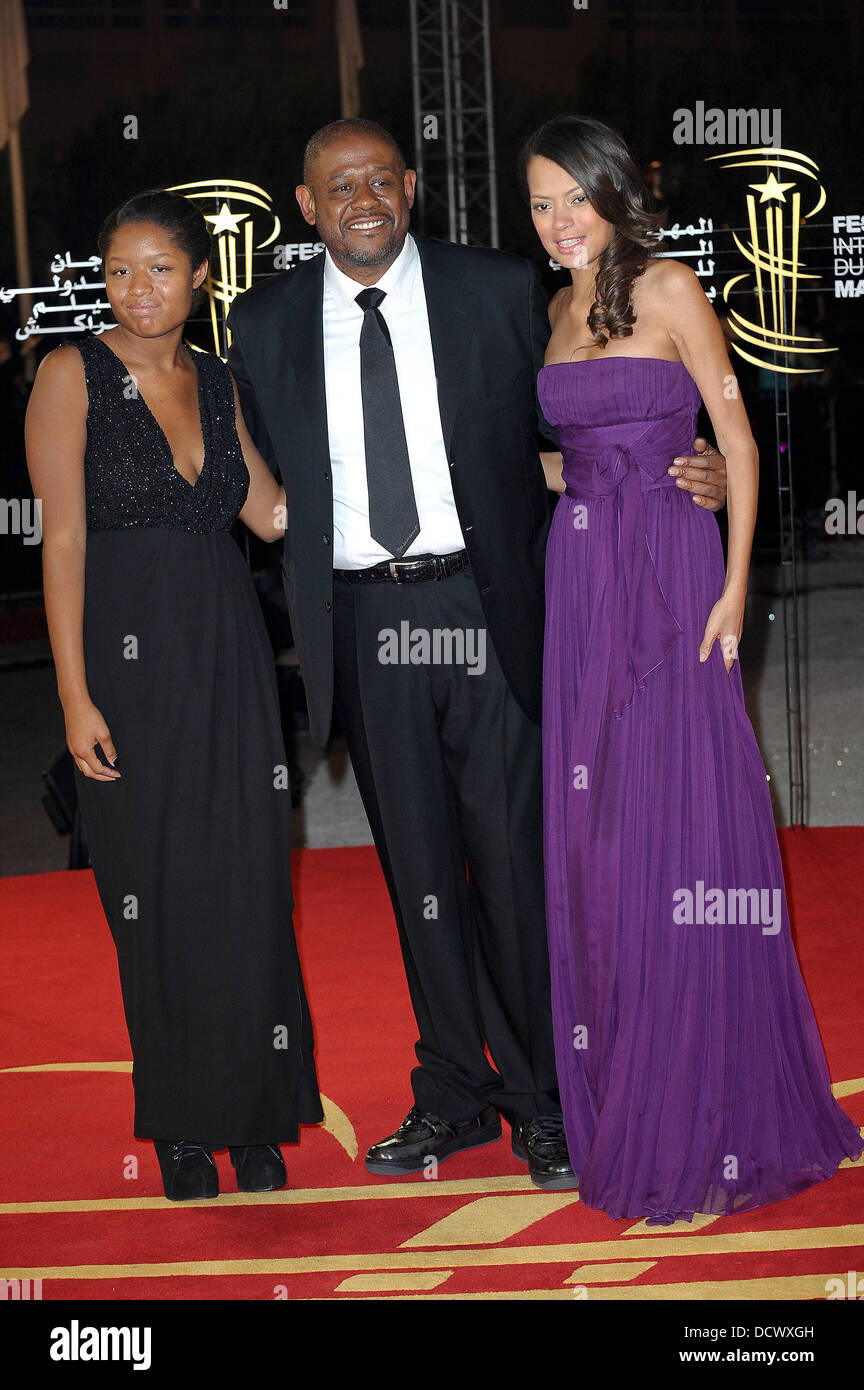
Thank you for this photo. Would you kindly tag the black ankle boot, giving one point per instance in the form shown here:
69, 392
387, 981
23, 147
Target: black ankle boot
259, 1167
188, 1171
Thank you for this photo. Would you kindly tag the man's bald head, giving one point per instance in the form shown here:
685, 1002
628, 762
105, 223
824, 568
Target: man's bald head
336, 130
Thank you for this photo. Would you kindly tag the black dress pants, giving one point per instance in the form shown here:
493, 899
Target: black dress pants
449, 769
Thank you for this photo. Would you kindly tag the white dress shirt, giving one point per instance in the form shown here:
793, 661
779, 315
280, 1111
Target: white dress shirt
407, 319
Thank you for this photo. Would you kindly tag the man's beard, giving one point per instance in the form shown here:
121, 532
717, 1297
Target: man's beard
378, 255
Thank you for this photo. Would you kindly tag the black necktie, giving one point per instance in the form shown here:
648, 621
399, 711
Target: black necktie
393, 519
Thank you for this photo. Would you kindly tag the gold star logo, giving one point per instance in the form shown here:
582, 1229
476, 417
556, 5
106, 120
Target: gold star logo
771, 188
226, 220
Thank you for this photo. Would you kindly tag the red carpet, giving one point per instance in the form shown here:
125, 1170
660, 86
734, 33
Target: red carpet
80, 1203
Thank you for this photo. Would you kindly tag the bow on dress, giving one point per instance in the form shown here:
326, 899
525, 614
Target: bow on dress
644, 628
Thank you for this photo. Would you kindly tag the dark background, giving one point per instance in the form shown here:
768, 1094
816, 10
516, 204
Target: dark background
235, 87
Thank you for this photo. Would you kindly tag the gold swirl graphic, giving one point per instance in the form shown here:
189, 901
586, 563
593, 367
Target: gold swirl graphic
774, 222
230, 206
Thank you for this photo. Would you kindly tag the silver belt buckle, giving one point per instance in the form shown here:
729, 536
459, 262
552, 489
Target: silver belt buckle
404, 564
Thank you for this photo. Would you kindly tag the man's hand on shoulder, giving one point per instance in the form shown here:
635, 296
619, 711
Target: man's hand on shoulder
702, 474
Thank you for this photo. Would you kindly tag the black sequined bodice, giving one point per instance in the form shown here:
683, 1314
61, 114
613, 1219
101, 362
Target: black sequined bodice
129, 474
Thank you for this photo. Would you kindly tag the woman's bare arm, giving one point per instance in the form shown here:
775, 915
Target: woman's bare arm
264, 509
55, 437
696, 333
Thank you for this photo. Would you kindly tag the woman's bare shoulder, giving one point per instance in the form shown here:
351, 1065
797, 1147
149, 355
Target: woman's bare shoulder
61, 369
558, 302
60, 387
666, 276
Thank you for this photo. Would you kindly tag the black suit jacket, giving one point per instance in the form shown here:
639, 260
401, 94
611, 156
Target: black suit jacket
489, 328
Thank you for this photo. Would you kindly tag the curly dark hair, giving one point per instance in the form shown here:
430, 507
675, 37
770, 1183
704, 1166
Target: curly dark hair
598, 158
174, 214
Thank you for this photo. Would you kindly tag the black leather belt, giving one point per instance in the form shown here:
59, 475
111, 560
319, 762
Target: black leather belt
416, 571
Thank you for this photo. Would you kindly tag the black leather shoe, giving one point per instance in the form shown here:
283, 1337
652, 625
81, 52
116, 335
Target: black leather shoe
540, 1143
259, 1167
421, 1137
188, 1171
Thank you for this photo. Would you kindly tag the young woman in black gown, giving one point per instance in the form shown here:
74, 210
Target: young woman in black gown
139, 453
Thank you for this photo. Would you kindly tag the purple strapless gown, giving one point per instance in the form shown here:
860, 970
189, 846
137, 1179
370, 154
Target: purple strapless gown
691, 1071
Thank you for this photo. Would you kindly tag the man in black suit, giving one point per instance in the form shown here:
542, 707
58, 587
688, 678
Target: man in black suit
391, 383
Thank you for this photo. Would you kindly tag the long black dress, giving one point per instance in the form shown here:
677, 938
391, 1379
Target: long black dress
190, 847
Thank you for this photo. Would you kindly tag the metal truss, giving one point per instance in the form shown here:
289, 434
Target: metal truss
454, 138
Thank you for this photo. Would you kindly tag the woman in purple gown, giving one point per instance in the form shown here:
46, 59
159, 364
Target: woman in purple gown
691, 1071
